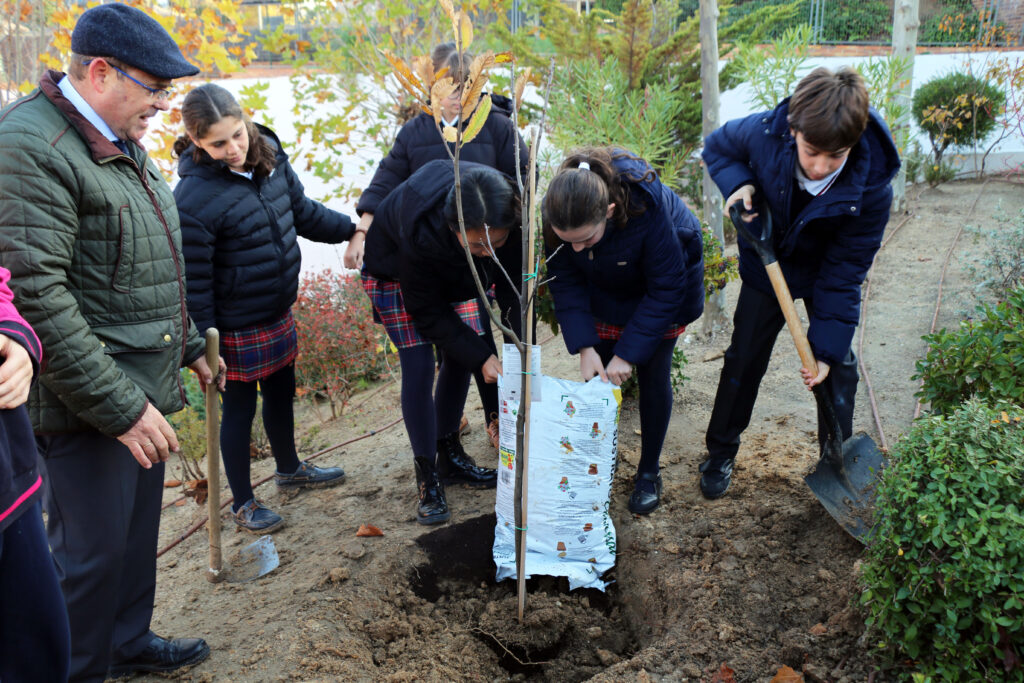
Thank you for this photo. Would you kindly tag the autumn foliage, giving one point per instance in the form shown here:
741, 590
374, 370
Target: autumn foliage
340, 347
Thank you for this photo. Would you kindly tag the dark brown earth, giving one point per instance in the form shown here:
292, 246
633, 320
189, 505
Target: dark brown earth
760, 579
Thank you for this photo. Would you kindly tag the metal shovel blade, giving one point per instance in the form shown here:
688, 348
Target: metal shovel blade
253, 561
848, 492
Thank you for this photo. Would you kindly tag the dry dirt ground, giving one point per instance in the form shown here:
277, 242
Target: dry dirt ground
760, 579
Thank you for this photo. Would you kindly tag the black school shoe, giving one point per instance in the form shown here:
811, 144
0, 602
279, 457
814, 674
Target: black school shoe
716, 475
163, 656
646, 494
310, 477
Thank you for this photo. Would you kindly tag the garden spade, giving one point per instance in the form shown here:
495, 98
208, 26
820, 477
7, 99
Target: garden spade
844, 479
256, 559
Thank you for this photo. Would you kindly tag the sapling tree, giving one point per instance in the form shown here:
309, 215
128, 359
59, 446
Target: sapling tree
420, 81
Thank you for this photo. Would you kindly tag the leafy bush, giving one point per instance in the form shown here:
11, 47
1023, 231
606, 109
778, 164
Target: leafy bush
597, 108
943, 581
719, 269
984, 358
958, 109
340, 347
1002, 263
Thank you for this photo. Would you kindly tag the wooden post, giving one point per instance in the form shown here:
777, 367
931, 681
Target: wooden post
714, 309
904, 44
214, 574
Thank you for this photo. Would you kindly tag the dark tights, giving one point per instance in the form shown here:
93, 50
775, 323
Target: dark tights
278, 390
430, 413
655, 399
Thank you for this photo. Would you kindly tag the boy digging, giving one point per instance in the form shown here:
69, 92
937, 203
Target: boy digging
821, 161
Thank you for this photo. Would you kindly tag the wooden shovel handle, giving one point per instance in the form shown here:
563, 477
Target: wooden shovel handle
213, 456
796, 329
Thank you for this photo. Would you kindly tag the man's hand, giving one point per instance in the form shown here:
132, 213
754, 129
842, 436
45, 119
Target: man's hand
357, 245
619, 370
15, 373
746, 195
151, 440
590, 364
200, 366
811, 379
491, 369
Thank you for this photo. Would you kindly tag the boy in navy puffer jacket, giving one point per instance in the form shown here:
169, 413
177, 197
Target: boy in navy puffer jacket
822, 161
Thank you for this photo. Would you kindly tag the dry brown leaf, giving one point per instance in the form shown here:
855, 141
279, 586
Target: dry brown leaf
368, 530
819, 629
476, 81
178, 503
405, 76
172, 483
724, 675
442, 88
450, 134
424, 68
521, 82
787, 675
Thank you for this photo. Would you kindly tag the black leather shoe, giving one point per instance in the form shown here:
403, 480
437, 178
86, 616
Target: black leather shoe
457, 467
433, 506
162, 655
643, 501
716, 474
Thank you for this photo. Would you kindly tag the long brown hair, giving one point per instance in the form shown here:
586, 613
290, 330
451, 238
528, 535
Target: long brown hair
579, 196
208, 104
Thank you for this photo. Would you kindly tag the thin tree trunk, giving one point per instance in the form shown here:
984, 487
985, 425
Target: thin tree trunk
714, 309
904, 44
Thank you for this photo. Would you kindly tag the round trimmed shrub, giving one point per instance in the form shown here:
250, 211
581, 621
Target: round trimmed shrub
957, 109
944, 574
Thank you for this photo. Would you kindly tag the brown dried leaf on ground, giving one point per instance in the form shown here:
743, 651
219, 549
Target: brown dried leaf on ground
786, 675
171, 483
724, 675
368, 530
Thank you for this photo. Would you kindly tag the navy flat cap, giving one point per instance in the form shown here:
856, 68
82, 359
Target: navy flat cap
131, 36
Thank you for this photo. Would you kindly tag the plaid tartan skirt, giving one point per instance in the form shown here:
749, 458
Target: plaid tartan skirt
614, 332
253, 353
389, 310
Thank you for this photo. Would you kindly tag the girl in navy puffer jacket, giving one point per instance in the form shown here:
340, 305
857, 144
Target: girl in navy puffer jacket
242, 208
627, 265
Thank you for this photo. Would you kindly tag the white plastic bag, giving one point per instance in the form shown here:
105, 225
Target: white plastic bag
573, 437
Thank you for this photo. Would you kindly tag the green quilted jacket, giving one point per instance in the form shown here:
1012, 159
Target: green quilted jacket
92, 240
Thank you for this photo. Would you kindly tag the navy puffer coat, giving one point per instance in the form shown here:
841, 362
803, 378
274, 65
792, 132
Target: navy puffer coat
239, 238
826, 250
419, 142
647, 275
411, 243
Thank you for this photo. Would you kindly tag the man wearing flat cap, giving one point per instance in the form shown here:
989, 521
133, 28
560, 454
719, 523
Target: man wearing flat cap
90, 233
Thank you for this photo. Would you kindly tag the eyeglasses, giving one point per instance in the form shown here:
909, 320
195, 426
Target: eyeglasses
158, 94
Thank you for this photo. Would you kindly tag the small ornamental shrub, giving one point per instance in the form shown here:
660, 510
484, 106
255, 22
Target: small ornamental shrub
984, 358
958, 109
943, 579
340, 347
719, 269
1001, 266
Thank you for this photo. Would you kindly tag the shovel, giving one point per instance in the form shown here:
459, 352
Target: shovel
844, 479
256, 559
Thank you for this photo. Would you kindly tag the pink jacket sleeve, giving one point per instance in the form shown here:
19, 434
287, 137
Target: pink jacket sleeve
13, 325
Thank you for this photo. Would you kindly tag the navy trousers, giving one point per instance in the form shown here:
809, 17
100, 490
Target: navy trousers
103, 514
756, 325
34, 639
